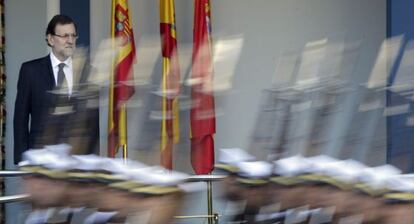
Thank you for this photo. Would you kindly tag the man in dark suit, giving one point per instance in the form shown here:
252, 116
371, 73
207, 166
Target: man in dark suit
53, 97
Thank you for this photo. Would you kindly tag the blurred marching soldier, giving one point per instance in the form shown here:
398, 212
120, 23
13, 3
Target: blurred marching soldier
367, 200
111, 203
46, 185
157, 202
83, 187
287, 187
399, 202
227, 165
126, 193
252, 182
335, 181
88, 188
292, 191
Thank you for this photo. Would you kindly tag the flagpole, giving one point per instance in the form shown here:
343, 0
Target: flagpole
124, 131
125, 151
210, 202
122, 75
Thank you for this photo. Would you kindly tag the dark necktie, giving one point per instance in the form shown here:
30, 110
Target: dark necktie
61, 79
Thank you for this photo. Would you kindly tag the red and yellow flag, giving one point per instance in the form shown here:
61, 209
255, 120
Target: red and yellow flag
170, 131
203, 122
121, 86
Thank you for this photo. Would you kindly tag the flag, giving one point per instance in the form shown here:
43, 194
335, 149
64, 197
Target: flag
170, 84
203, 123
121, 86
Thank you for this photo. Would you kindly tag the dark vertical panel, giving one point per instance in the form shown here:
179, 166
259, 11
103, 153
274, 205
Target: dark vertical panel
79, 10
400, 21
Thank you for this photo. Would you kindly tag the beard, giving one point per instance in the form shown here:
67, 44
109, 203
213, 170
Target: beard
68, 51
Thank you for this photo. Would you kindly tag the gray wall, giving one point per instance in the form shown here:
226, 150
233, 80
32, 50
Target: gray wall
268, 29
271, 27
25, 40
26, 23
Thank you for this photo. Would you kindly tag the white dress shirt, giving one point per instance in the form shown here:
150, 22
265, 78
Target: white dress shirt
68, 70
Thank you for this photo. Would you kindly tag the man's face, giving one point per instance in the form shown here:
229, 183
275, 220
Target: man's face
63, 42
53, 196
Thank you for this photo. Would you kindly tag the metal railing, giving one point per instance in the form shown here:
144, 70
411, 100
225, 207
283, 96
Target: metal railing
12, 173
14, 198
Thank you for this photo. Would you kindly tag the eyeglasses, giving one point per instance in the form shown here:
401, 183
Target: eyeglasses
67, 35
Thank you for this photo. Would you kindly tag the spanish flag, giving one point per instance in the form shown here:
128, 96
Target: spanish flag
203, 121
121, 85
170, 131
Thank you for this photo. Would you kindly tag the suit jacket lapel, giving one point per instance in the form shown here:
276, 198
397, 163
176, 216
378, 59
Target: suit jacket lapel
50, 78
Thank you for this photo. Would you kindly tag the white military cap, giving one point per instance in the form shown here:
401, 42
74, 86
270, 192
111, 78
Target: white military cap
122, 166
41, 157
286, 171
346, 170
373, 180
254, 172
383, 172
62, 149
158, 181
133, 178
342, 174
46, 162
401, 183
315, 168
146, 175
59, 167
32, 157
319, 162
229, 157
116, 169
61, 163
291, 166
32, 160
401, 188
90, 162
87, 168
157, 175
